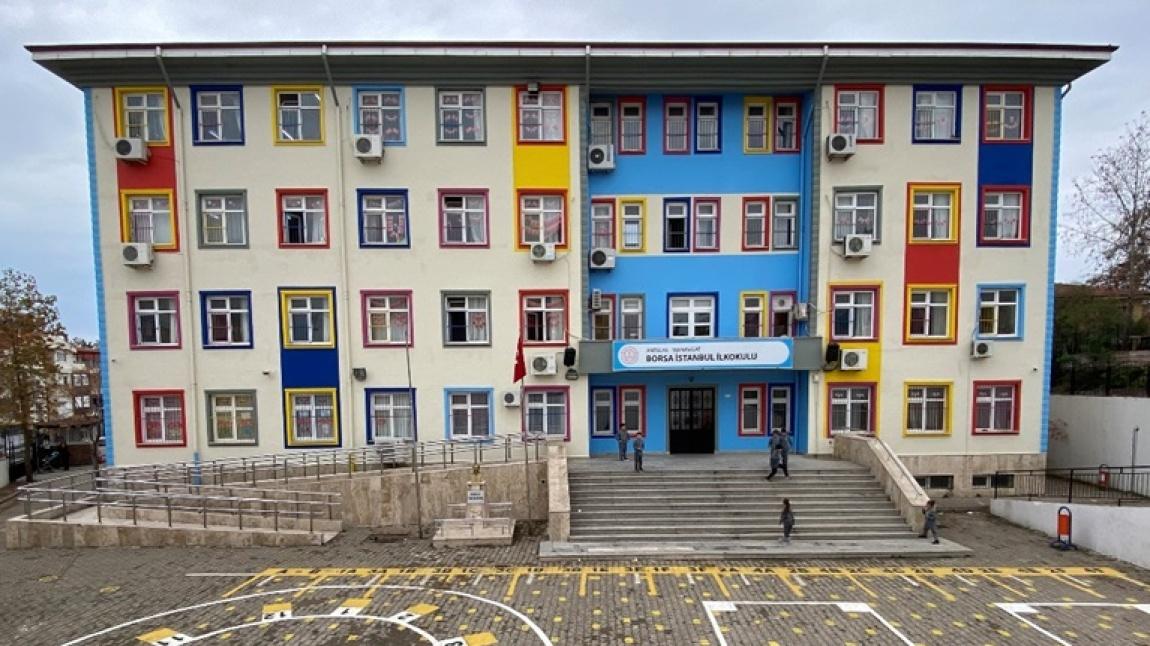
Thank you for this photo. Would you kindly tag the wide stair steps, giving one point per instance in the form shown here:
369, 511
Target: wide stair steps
845, 503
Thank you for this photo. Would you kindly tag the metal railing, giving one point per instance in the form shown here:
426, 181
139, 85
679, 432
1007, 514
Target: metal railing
1101, 484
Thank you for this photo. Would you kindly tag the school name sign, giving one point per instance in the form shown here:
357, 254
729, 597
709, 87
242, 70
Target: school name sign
701, 355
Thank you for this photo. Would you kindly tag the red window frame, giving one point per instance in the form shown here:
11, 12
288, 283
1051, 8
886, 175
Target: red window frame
133, 341
798, 103
137, 395
281, 193
880, 127
766, 246
642, 390
1016, 422
524, 294
614, 214
685, 102
694, 231
369, 293
547, 389
561, 193
443, 243
1027, 112
870, 385
762, 390
522, 89
642, 103
1024, 217
614, 300
876, 321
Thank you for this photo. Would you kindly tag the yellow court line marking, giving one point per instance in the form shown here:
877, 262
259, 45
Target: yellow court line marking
853, 579
652, 591
722, 586
991, 578
583, 584
243, 585
422, 609
945, 595
785, 577
480, 639
308, 588
511, 587
157, 635
1081, 588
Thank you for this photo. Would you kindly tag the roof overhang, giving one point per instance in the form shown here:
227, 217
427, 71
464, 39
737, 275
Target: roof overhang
611, 66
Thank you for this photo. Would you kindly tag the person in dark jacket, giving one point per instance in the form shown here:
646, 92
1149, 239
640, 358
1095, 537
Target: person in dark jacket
65, 459
931, 524
787, 520
781, 442
638, 444
622, 438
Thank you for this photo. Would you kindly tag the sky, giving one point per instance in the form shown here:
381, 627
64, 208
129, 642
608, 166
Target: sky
44, 212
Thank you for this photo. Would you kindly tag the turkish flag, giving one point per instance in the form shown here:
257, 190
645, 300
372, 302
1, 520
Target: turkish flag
520, 363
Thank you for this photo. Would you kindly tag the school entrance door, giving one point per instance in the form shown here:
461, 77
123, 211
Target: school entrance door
691, 419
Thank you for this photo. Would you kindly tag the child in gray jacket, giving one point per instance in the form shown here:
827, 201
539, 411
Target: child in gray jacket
787, 520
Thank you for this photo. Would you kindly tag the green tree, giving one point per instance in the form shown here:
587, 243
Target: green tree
29, 331
1085, 326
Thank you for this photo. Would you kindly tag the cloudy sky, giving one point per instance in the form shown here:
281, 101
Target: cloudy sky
44, 226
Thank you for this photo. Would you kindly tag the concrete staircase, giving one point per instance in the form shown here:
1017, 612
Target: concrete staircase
843, 503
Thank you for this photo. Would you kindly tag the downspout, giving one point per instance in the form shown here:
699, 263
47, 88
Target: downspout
810, 254
585, 196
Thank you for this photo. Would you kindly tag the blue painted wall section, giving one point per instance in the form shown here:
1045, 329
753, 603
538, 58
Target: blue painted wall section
1051, 258
97, 258
310, 367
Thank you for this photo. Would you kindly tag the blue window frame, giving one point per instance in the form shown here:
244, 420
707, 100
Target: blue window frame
226, 319
380, 110
1001, 312
936, 114
603, 412
468, 412
384, 218
391, 415
708, 117
677, 225
217, 115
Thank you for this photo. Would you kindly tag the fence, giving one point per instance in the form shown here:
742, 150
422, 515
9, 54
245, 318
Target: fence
1114, 379
1100, 484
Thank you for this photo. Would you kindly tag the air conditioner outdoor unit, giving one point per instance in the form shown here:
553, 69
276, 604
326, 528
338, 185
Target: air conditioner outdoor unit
131, 149
136, 254
981, 349
840, 146
601, 157
368, 148
596, 303
543, 252
782, 303
544, 364
601, 258
857, 246
802, 311
853, 360
511, 398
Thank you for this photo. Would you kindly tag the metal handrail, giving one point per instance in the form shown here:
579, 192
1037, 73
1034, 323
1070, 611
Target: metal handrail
1102, 483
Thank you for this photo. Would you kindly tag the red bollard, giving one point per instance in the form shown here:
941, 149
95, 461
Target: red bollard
1065, 525
1104, 476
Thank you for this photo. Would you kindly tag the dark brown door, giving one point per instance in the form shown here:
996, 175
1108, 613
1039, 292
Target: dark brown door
691, 420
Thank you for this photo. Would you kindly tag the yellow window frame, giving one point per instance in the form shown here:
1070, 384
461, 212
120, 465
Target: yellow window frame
948, 418
955, 191
764, 313
285, 318
289, 419
951, 315
280, 141
125, 224
642, 202
118, 117
769, 118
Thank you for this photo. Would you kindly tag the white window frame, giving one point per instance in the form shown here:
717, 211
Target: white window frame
171, 418
633, 233
211, 102
780, 395
540, 312
755, 212
534, 112
991, 403
853, 105
631, 307
759, 405
693, 308
383, 305
477, 334
150, 219
451, 102
308, 213
224, 208
603, 320
707, 129
543, 208
844, 397
680, 124
632, 127
312, 404
848, 300
851, 211
306, 305
632, 403
229, 406
932, 115
142, 106
466, 214
754, 304
786, 126
996, 304
937, 207
543, 409
602, 402
236, 312
756, 118
164, 316
919, 401
996, 103
602, 123
784, 224
82, 402
928, 302
304, 111
392, 416
464, 400
704, 224
374, 107
602, 225
995, 207
384, 219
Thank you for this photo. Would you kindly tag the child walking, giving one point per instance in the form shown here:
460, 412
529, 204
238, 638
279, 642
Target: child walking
931, 524
637, 446
787, 520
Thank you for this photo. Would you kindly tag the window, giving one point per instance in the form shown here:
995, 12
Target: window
461, 116
465, 318
851, 409
470, 414
61, 379
930, 313
756, 125
603, 320
541, 116
155, 319
227, 319
936, 116
463, 219
632, 126
303, 219
634, 219
387, 318
148, 217
1006, 115
383, 219
938, 482
1005, 216
754, 315
782, 315
786, 125
998, 312
927, 409
755, 223
82, 402
232, 417
542, 219
159, 418
545, 412
676, 126
602, 412
219, 114
223, 220
602, 123
856, 213
706, 225
544, 317
784, 224
61, 356
996, 407
707, 139
692, 317
392, 415
299, 115
675, 214
631, 316
602, 224
307, 318
988, 480
381, 113
854, 314
312, 417
859, 112
781, 409
80, 379
752, 418
143, 114
632, 408
934, 213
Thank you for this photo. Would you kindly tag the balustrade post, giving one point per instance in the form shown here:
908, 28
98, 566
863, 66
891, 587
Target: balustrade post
168, 504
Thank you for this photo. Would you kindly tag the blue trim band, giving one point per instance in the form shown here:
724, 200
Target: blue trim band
97, 259
1051, 259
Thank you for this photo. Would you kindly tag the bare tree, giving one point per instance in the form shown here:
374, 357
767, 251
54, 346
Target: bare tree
29, 331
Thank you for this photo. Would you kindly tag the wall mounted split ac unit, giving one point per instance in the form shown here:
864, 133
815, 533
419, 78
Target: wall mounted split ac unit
601, 157
131, 149
840, 146
857, 246
543, 252
981, 349
802, 311
368, 148
601, 258
136, 254
511, 398
544, 364
853, 360
779, 303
